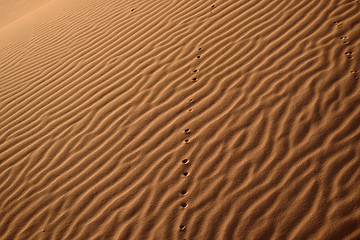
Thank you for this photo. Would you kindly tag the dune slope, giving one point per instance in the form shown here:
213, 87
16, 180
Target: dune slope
223, 119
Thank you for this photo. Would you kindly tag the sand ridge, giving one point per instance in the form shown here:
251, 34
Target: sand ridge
221, 119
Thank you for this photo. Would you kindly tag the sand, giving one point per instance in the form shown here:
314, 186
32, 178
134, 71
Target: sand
196, 120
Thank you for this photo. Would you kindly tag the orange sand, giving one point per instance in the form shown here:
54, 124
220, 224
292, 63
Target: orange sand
95, 98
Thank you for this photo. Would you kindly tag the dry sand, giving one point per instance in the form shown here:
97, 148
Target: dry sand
174, 119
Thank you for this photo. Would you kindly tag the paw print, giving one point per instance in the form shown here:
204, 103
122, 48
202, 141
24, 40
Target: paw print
345, 40
355, 74
349, 54
338, 23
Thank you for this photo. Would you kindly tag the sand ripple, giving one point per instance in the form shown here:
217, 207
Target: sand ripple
224, 119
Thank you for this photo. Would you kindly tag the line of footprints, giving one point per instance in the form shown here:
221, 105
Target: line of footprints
185, 161
345, 40
183, 204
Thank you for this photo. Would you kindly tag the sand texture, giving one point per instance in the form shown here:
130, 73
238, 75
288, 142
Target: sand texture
180, 119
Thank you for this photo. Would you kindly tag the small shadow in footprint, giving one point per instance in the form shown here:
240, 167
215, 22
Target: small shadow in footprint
355, 74
183, 192
183, 205
338, 23
345, 40
349, 54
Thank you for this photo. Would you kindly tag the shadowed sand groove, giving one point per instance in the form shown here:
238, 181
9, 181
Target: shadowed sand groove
226, 119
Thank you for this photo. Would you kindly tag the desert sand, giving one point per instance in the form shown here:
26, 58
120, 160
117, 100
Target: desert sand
174, 119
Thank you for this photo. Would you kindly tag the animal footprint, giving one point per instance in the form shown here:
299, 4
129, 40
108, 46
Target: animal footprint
185, 161
183, 192
355, 74
349, 54
338, 23
183, 205
345, 40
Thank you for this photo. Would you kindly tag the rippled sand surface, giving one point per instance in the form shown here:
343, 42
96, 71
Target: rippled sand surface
174, 119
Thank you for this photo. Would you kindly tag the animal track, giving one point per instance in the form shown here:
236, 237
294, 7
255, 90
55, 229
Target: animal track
355, 74
187, 141
185, 161
183, 204
338, 23
345, 40
349, 54
183, 192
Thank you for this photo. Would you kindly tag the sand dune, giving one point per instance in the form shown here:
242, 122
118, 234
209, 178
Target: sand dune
14, 10
224, 119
